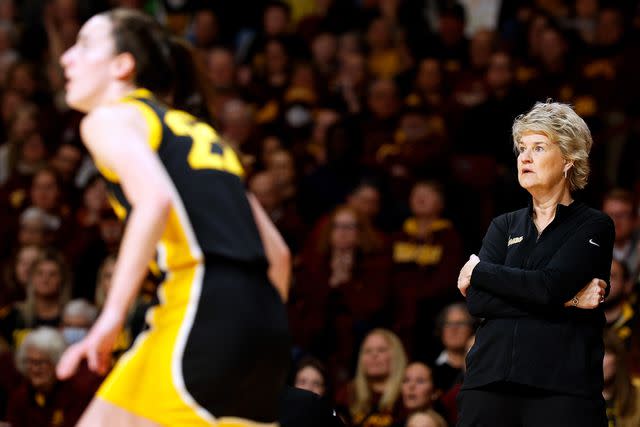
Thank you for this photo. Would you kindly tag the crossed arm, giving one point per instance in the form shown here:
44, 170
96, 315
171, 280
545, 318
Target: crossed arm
495, 290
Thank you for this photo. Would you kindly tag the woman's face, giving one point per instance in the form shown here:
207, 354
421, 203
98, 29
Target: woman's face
33, 149
540, 163
24, 263
309, 378
276, 57
456, 330
89, 64
376, 356
47, 279
417, 387
45, 191
344, 232
40, 369
425, 201
95, 196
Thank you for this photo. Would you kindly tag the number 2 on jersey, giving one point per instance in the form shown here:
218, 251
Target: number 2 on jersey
206, 152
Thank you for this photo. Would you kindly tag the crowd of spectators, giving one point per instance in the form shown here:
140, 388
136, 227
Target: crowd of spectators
377, 136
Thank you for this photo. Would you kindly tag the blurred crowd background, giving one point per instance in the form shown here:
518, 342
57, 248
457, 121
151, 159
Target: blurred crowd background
375, 133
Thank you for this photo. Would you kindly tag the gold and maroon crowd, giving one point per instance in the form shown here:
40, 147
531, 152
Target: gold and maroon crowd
377, 136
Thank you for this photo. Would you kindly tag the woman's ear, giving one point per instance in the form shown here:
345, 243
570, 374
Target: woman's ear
123, 66
567, 166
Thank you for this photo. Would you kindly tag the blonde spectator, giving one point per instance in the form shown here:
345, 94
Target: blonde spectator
375, 396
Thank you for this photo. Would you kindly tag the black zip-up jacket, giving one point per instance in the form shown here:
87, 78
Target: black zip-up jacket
519, 288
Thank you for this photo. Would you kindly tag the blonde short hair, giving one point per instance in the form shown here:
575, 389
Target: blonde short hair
564, 127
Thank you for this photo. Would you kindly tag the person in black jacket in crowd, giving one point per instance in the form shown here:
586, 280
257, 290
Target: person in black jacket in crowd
537, 358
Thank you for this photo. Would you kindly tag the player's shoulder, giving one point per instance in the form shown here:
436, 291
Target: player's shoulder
108, 119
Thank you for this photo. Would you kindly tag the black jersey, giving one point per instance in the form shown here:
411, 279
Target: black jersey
210, 215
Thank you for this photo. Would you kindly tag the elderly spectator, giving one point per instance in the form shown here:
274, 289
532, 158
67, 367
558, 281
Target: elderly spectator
77, 319
42, 400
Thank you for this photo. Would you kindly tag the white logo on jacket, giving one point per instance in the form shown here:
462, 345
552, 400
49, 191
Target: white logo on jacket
513, 241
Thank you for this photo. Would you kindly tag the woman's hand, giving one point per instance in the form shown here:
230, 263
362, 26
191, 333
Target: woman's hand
464, 278
97, 347
590, 296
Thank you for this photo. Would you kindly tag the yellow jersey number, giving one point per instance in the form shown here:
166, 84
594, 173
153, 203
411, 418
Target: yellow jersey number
206, 151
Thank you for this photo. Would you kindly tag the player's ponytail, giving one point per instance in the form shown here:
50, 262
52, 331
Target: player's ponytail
163, 64
189, 91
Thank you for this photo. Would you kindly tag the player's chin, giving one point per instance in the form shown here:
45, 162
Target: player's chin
75, 102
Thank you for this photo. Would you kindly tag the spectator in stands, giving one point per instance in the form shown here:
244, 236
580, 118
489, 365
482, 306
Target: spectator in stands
204, 29
24, 152
470, 89
349, 87
220, 68
77, 319
426, 256
621, 207
282, 165
373, 397
385, 59
312, 375
46, 193
276, 24
621, 393
48, 291
66, 161
237, 127
340, 290
451, 45
324, 55
16, 273
419, 392
284, 215
618, 309
43, 400
455, 327
379, 123
36, 227
429, 90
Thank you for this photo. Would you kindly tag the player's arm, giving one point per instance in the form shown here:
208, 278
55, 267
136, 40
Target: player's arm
117, 136
275, 248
